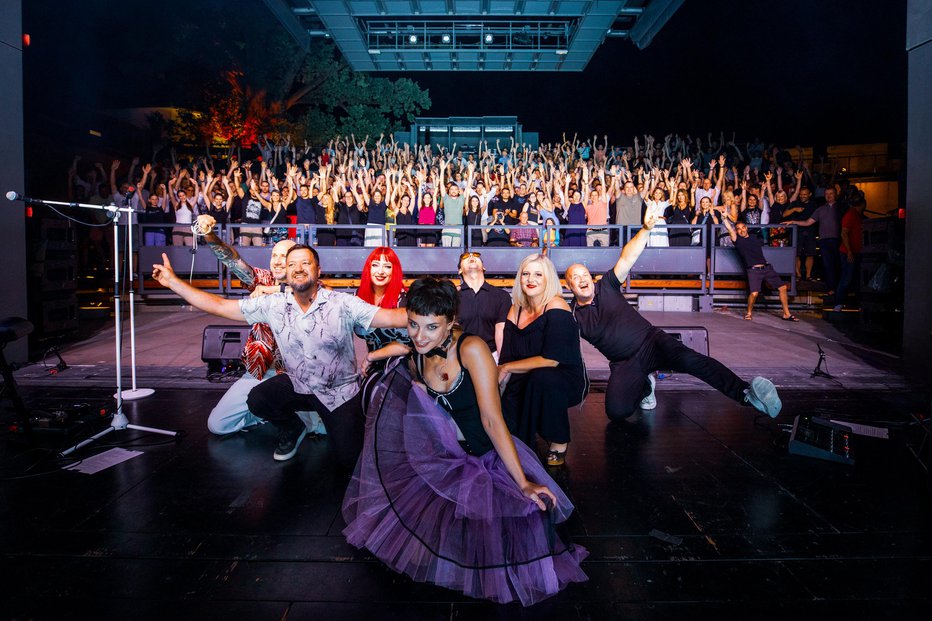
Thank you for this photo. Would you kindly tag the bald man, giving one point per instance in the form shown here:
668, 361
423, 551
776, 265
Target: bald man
260, 356
636, 349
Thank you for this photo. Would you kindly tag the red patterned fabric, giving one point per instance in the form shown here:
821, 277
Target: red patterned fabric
261, 351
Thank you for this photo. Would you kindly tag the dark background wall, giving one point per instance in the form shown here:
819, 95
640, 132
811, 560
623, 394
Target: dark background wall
12, 219
917, 324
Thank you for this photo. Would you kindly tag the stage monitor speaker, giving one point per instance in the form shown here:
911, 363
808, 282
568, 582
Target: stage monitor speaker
696, 338
820, 438
223, 343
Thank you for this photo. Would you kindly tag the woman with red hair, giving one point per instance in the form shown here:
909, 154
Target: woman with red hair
382, 285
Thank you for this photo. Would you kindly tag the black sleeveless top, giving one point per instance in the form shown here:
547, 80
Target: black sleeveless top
460, 401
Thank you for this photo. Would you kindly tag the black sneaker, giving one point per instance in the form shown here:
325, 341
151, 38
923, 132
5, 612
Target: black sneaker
289, 439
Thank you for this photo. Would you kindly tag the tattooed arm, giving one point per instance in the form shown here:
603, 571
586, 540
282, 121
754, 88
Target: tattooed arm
226, 254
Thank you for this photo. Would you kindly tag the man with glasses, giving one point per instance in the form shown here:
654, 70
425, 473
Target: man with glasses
483, 307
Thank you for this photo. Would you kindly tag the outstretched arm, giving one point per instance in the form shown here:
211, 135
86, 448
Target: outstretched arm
207, 302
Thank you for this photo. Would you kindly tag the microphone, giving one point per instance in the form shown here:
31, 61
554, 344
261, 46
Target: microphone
16, 196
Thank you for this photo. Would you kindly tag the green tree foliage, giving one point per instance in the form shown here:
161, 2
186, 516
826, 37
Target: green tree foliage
339, 100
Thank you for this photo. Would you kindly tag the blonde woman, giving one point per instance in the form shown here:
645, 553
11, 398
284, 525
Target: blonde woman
541, 366
327, 237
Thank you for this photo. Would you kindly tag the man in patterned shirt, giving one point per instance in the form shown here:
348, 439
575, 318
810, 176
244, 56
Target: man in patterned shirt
313, 327
260, 355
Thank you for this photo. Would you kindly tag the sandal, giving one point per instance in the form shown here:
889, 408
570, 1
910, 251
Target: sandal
556, 458
748, 317
790, 318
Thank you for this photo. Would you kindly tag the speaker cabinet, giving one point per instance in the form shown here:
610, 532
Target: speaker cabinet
223, 343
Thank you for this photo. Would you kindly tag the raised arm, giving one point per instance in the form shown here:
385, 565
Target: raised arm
224, 253
799, 185
730, 228
633, 249
767, 177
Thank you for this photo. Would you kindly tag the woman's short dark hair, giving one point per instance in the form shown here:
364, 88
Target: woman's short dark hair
433, 296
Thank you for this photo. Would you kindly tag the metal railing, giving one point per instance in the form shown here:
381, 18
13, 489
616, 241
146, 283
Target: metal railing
703, 259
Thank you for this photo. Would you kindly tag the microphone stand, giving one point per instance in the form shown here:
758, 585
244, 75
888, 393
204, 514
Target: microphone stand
134, 393
119, 422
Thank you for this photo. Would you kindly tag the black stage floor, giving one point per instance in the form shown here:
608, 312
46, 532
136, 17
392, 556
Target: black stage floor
695, 511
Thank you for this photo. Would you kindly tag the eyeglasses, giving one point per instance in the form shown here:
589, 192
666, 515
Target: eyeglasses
470, 255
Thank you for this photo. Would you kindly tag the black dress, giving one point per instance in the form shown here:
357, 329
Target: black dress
473, 221
325, 237
537, 402
678, 236
460, 401
403, 236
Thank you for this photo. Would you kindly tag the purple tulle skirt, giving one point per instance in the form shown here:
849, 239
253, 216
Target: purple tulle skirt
426, 508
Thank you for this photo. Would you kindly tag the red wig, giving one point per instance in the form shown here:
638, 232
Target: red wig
395, 285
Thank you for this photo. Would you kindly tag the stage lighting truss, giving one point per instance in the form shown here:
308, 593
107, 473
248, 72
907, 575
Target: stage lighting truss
552, 35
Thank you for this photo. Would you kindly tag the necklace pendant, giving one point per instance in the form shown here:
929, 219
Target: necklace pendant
445, 377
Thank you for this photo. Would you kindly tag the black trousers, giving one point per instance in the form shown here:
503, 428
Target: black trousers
276, 401
628, 384
831, 260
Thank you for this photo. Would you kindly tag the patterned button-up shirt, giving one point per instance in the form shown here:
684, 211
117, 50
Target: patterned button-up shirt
316, 346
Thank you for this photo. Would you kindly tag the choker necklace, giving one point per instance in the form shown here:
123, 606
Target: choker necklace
441, 350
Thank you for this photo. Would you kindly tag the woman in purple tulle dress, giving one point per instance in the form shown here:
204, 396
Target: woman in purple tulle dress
442, 492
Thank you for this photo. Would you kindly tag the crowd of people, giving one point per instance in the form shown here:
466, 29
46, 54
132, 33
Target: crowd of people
440, 421
557, 194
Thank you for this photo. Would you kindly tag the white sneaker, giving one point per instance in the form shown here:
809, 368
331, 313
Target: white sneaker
650, 401
762, 394
313, 423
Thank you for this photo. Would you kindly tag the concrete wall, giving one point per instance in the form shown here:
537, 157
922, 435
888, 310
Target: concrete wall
12, 175
917, 319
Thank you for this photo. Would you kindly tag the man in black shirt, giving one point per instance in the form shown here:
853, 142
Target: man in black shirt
802, 209
751, 249
483, 308
636, 349
306, 207
509, 206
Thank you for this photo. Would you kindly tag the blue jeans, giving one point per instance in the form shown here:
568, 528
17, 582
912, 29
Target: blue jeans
849, 271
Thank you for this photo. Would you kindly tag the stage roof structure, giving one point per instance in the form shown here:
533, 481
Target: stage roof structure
471, 35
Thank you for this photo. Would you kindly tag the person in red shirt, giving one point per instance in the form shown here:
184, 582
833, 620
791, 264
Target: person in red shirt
851, 243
